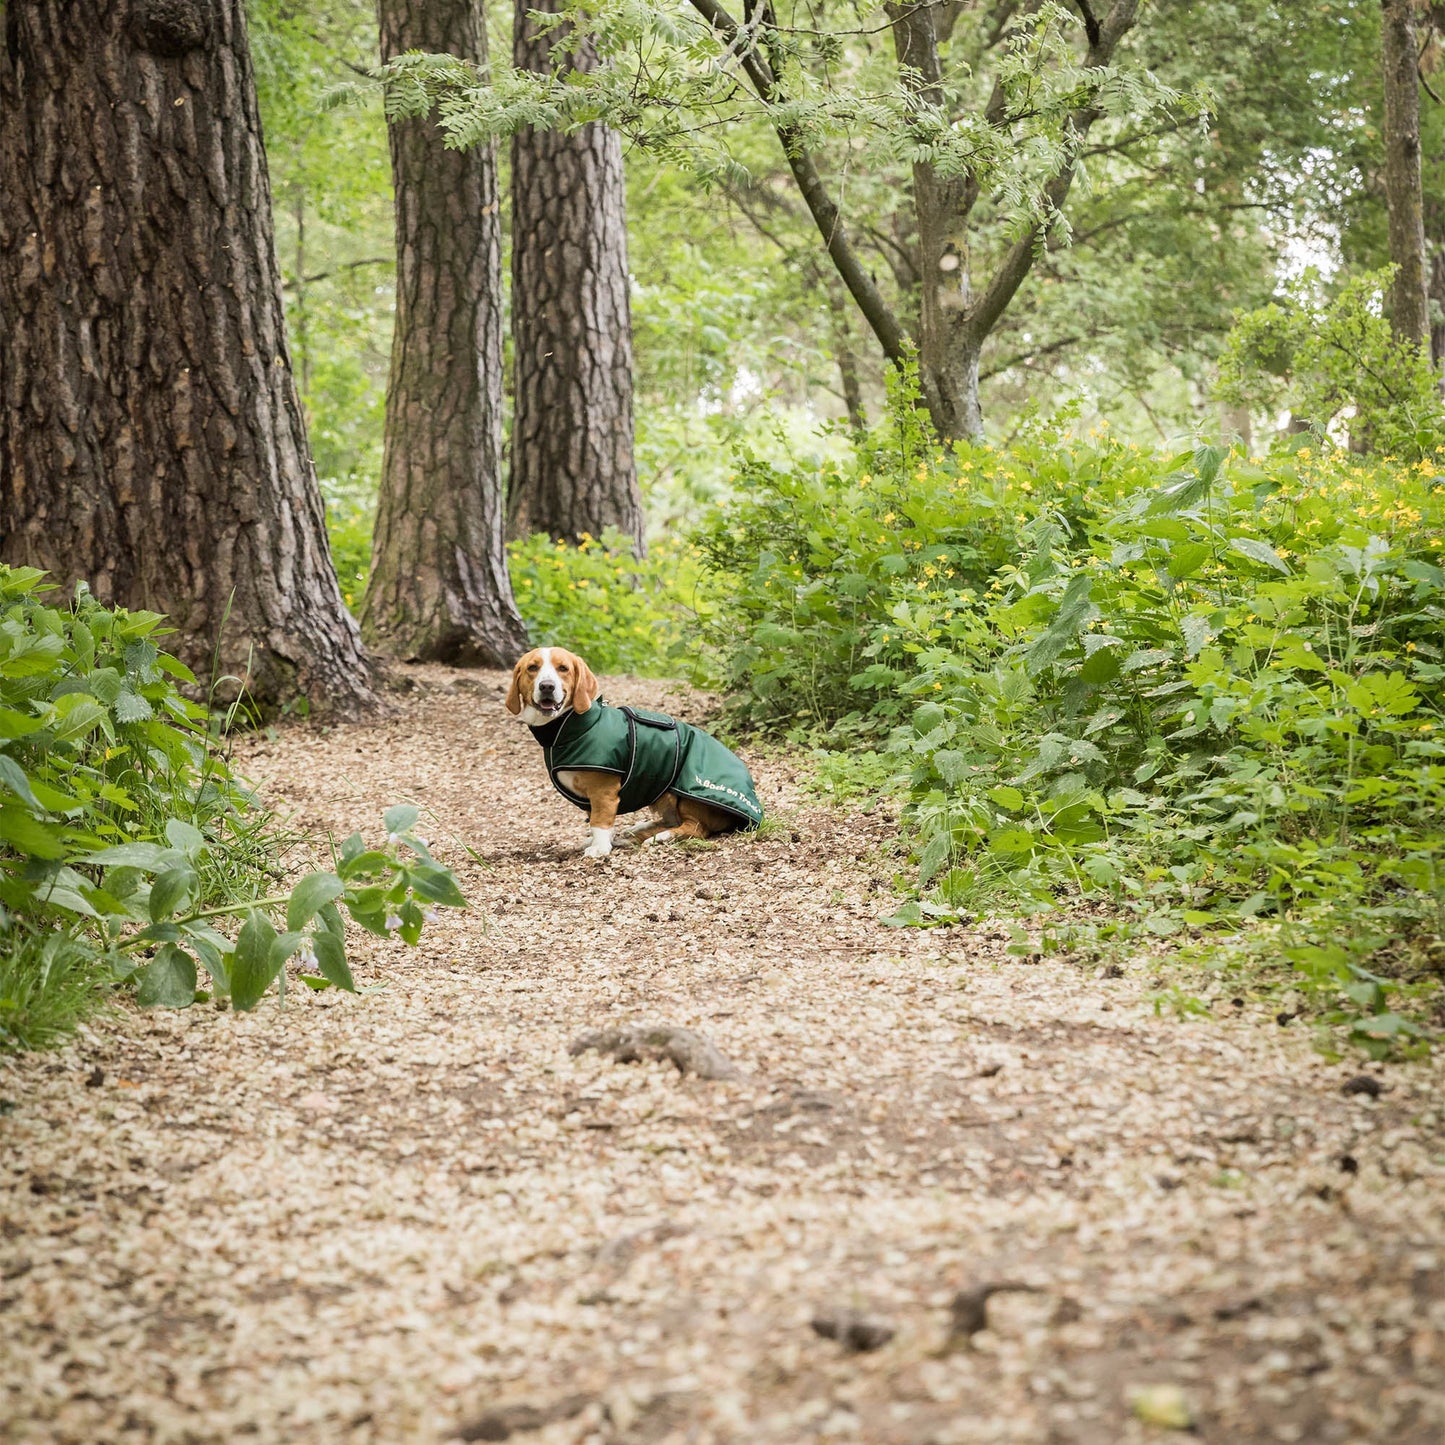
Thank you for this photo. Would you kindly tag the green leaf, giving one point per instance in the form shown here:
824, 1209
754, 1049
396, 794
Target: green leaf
363, 864
437, 885
252, 965
185, 838
950, 764
1385, 1026
400, 819
82, 715
1012, 840
13, 776
1195, 631
15, 724
23, 832
172, 891
1101, 666
1007, 797
130, 707
168, 980
934, 856
331, 960
1258, 551
285, 945
1186, 559
149, 857
328, 917
910, 915
928, 717
68, 899
1075, 609
309, 896
213, 960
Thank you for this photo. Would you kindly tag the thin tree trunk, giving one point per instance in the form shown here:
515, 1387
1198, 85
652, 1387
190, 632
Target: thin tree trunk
573, 468
845, 356
1437, 311
439, 587
151, 442
1408, 302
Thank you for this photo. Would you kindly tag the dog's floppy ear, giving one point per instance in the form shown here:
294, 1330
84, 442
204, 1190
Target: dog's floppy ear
514, 693
584, 692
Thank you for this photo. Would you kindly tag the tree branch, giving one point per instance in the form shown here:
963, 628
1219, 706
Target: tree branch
1019, 259
826, 216
345, 266
1091, 25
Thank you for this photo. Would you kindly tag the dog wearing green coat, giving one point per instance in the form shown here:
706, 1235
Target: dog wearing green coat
614, 760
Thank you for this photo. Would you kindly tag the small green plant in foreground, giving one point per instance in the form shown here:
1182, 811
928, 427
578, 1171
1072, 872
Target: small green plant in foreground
128, 848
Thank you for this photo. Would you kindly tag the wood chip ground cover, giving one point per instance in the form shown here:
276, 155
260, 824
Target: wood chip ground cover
414, 1216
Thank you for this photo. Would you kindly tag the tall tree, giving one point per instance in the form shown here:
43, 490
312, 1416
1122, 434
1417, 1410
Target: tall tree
1408, 302
994, 104
150, 437
573, 469
439, 587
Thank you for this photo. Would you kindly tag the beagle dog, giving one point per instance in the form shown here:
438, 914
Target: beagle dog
609, 760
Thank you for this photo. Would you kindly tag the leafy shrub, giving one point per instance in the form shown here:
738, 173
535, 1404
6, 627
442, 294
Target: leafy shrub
814, 572
598, 600
350, 516
1337, 362
1208, 690
126, 842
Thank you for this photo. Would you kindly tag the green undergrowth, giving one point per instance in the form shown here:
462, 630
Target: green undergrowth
133, 858
597, 599
1198, 692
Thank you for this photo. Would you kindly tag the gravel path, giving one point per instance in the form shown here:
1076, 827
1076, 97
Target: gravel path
413, 1216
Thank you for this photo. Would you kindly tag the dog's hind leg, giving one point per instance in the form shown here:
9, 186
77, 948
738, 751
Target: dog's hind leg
688, 828
695, 820
664, 816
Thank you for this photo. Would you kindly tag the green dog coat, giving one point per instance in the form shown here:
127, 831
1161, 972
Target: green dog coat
653, 754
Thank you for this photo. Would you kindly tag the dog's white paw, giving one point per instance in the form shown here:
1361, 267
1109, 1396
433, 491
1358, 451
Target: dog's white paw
601, 844
663, 837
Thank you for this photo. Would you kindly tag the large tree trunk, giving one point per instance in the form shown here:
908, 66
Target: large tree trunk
150, 438
573, 469
1408, 301
439, 587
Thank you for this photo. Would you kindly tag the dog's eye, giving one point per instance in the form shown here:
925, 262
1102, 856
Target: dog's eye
532, 667
564, 668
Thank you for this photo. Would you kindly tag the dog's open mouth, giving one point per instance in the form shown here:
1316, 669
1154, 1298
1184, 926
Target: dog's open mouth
549, 706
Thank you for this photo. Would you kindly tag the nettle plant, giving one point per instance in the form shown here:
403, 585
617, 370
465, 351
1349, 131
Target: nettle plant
1223, 703
830, 577
127, 843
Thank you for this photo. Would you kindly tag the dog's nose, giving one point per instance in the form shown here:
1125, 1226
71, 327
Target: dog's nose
546, 689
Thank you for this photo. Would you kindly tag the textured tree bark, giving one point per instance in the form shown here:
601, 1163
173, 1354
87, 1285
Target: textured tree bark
1408, 301
439, 587
151, 442
573, 469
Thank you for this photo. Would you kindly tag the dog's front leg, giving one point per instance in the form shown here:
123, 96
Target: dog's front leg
603, 792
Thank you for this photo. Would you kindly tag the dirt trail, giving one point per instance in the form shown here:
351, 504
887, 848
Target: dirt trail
412, 1216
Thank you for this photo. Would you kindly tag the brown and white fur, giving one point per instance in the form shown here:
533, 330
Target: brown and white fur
550, 681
